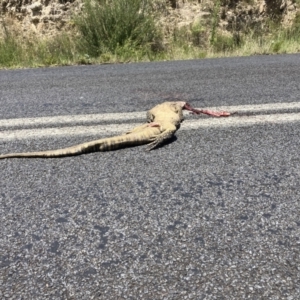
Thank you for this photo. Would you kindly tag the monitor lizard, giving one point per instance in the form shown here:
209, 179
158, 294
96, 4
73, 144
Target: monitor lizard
163, 121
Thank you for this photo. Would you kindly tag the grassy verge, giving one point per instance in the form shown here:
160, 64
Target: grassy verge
273, 40
110, 31
34, 52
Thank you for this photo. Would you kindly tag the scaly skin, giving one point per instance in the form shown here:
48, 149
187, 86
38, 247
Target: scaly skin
163, 121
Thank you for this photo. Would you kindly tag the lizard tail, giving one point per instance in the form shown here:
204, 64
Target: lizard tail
70, 151
105, 144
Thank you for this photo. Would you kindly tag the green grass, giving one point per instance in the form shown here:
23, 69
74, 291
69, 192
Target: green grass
110, 37
33, 52
10, 52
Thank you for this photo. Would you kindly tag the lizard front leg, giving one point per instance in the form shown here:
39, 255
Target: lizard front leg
150, 116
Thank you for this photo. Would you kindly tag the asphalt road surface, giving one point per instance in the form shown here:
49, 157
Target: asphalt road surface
214, 214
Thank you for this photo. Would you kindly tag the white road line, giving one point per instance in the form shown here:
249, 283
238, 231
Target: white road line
260, 107
99, 130
93, 118
242, 121
107, 130
60, 120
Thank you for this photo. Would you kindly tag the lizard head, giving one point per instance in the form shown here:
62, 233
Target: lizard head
177, 106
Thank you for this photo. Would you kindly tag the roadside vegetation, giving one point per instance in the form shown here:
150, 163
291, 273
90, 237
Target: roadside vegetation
109, 31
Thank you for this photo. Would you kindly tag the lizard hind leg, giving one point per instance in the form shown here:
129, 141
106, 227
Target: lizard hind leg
161, 138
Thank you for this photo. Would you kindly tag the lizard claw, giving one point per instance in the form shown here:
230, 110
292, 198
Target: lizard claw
151, 146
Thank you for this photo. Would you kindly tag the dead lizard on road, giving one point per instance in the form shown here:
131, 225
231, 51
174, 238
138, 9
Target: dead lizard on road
163, 121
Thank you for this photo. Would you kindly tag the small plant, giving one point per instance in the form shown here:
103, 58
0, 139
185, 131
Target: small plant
224, 43
198, 34
215, 20
108, 25
190, 35
294, 31
9, 48
9, 51
276, 46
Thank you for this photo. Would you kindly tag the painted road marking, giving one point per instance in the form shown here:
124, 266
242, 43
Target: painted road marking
113, 129
94, 118
260, 107
99, 130
242, 121
62, 120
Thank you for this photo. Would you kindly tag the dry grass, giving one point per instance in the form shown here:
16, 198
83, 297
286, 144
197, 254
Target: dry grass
191, 42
